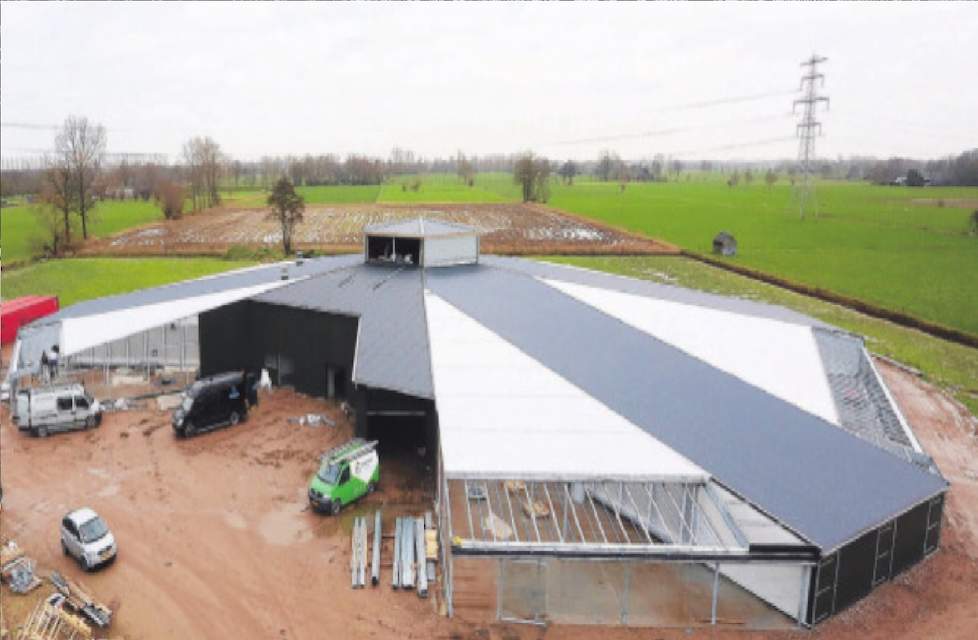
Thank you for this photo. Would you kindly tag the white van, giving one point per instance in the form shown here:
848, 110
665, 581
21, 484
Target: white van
47, 410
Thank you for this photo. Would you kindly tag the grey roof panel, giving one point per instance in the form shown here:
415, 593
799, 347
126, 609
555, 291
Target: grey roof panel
652, 289
392, 343
819, 480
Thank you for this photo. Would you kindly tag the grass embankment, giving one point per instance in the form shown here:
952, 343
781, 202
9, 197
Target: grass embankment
77, 279
949, 365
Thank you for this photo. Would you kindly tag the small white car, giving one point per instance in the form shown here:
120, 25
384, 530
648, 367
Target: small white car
86, 537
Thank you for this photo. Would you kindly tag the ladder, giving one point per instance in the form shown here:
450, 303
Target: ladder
347, 450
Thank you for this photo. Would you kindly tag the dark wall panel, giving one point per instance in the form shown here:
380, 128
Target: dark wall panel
225, 339
909, 547
309, 340
247, 335
856, 563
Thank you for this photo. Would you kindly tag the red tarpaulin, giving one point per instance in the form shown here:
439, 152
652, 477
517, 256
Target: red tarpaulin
17, 312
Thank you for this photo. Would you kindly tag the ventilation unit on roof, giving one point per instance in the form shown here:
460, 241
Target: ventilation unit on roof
427, 243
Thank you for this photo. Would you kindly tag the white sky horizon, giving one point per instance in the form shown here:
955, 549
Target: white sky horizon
563, 80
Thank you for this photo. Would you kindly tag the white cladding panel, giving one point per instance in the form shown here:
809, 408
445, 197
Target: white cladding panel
502, 414
778, 357
780, 585
78, 334
448, 250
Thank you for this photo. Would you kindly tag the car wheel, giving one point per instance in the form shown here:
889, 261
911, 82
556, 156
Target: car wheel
334, 507
42, 432
64, 547
371, 487
90, 422
235, 418
188, 428
83, 561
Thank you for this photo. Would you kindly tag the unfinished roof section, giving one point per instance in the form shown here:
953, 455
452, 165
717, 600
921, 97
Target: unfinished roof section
428, 243
820, 481
392, 337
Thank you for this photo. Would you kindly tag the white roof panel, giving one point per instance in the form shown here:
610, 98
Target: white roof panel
781, 358
502, 414
80, 333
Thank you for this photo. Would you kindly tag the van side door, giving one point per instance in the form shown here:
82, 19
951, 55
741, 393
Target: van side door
344, 488
81, 410
65, 413
210, 406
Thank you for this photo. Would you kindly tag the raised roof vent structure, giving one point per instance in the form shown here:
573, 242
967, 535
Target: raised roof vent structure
427, 243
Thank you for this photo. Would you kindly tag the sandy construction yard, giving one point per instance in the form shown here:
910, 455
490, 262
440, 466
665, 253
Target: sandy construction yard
508, 229
216, 541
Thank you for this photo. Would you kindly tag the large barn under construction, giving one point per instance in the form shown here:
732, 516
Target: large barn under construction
608, 450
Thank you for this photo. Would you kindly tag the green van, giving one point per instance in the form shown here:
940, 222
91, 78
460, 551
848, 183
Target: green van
346, 473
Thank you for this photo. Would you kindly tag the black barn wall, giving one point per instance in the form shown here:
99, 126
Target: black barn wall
252, 335
856, 562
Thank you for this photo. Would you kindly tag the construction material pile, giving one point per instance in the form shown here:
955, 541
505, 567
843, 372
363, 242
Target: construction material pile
49, 621
17, 570
414, 554
81, 601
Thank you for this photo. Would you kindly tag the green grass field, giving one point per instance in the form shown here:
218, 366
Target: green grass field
951, 366
19, 225
77, 279
891, 246
870, 242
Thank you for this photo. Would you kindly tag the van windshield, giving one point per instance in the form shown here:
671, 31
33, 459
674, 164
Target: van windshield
329, 473
92, 530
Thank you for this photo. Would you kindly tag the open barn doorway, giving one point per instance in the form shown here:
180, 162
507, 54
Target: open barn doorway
406, 445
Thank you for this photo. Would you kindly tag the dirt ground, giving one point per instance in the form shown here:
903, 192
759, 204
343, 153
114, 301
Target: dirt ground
508, 228
216, 541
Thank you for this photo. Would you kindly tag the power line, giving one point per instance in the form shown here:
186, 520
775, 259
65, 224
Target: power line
670, 131
29, 125
736, 145
702, 104
807, 130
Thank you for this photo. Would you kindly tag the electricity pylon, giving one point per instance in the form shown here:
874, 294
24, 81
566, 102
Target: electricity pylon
807, 130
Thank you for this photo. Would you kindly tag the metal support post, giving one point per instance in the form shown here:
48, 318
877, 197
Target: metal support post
716, 592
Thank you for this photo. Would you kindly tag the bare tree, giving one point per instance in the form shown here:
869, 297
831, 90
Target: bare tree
54, 236
58, 192
770, 178
465, 169
567, 171
203, 159
81, 145
170, 197
287, 209
533, 176
608, 163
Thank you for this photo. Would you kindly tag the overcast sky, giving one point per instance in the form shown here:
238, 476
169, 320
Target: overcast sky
490, 78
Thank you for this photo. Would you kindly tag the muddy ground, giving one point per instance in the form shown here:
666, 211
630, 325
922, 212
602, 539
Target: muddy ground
216, 541
508, 229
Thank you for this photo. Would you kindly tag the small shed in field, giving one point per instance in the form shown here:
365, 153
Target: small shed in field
725, 244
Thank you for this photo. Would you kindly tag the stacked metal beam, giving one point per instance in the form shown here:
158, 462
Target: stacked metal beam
358, 559
407, 553
419, 557
378, 540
